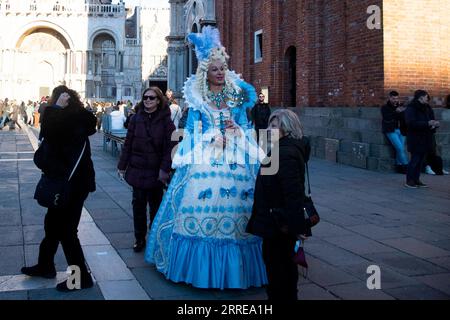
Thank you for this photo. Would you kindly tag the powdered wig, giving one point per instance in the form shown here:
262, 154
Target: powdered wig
289, 123
208, 48
217, 54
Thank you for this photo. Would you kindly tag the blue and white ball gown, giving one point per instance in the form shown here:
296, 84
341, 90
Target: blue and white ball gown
198, 235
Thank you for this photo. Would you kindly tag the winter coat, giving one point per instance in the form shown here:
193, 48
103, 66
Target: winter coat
392, 119
64, 132
420, 135
147, 148
260, 115
285, 190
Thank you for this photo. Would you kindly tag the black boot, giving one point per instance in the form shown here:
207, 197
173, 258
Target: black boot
139, 245
39, 271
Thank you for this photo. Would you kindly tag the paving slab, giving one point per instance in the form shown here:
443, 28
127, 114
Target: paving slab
99, 257
24, 282
358, 291
93, 293
374, 232
416, 248
326, 229
389, 277
121, 240
91, 235
122, 290
11, 236
122, 225
159, 288
14, 295
33, 234
440, 282
314, 292
12, 259
334, 255
405, 264
323, 274
441, 261
421, 292
133, 259
108, 214
358, 244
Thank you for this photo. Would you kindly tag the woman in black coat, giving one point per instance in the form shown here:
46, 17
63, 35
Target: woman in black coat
421, 128
277, 214
146, 160
65, 129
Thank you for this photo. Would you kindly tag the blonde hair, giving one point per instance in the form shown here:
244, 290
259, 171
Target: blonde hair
289, 123
218, 54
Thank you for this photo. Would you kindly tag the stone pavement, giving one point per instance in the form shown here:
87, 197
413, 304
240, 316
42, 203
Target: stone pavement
368, 218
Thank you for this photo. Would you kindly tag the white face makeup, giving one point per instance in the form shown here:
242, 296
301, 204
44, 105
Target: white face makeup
216, 73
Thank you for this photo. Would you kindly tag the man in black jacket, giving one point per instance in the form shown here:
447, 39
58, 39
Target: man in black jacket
260, 114
393, 124
421, 127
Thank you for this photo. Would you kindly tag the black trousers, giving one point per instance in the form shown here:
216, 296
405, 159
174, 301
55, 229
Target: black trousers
141, 197
282, 272
61, 226
415, 166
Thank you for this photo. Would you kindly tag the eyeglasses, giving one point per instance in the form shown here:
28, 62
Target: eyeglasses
151, 98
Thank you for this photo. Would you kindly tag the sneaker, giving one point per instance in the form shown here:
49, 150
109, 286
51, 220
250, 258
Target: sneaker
428, 170
420, 184
445, 171
411, 185
38, 271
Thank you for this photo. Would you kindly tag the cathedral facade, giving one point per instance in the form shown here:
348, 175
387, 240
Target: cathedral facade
104, 50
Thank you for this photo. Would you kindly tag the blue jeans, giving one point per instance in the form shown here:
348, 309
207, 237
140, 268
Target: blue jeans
398, 141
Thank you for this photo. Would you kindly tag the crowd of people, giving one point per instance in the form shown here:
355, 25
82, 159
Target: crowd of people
222, 221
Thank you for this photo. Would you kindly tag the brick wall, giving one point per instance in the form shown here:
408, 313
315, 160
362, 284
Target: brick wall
340, 62
417, 46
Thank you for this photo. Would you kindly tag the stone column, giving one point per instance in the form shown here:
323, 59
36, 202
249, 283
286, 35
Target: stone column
176, 48
119, 83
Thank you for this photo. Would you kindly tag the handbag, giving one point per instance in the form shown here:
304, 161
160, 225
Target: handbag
310, 209
54, 193
299, 256
300, 259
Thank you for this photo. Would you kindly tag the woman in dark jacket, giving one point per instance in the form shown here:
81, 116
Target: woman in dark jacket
65, 130
277, 214
421, 128
146, 160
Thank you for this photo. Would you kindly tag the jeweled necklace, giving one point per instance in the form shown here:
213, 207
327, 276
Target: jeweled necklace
218, 97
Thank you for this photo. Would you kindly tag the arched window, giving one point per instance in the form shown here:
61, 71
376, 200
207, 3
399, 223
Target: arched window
105, 64
105, 51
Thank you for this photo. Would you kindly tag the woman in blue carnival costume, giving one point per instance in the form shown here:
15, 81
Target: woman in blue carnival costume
198, 235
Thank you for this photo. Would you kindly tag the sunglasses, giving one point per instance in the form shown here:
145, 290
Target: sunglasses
151, 98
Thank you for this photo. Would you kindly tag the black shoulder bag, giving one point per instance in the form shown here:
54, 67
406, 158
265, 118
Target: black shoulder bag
54, 193
310, 209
